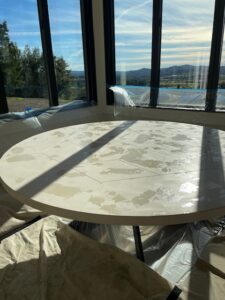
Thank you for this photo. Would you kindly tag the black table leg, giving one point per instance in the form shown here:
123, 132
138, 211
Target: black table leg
19, 228
138, 243
75, 225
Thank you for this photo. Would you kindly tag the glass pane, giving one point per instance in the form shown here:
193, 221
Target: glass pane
21, 55
133, 29
220, 103
65, 23
186, 41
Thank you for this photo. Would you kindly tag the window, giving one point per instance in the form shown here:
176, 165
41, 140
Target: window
29, 30
21, 59
185, 51
172, 45
220, 105
133, 27
65, 23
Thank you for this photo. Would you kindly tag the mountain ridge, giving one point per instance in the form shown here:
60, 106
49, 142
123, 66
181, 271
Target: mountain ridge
169, 71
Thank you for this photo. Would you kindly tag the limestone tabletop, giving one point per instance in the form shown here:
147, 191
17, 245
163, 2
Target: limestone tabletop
121, 172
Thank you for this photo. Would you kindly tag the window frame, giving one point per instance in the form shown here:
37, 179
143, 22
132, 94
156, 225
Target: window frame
110, 52
3, 100
88, 49
156, 52
46, 39
215, 53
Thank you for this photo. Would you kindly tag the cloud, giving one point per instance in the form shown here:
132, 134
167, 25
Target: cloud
186, 31
186, 49
134, 51
129, 11
37, 33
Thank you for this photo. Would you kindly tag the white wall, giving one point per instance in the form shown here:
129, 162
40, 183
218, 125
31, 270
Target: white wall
99, 52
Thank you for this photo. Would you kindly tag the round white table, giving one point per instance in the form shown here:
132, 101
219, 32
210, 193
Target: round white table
121, 172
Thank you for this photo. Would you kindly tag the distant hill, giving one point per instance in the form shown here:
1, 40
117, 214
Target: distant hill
164, 72
179, 70
77, 73
170, 71
140, 73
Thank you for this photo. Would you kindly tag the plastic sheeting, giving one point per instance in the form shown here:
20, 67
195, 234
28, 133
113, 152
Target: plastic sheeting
206, 279
167, 97
169, 250
129, 96
12, 116
49, 260
177, 253
122, 98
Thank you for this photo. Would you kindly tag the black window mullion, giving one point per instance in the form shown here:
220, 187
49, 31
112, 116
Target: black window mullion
215, 55
3, 100
156, 51
47, 51
89, 50
110, 61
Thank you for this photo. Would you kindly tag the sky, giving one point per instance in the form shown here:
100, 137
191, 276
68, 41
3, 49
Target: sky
65, 23
186, 30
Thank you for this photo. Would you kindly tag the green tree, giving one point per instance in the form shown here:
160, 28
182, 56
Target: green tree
4, 42
24, 70
10, 59
14, 66
32, 65
64, 78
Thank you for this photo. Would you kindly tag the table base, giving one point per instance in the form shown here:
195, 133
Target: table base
138, 243
137, 238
